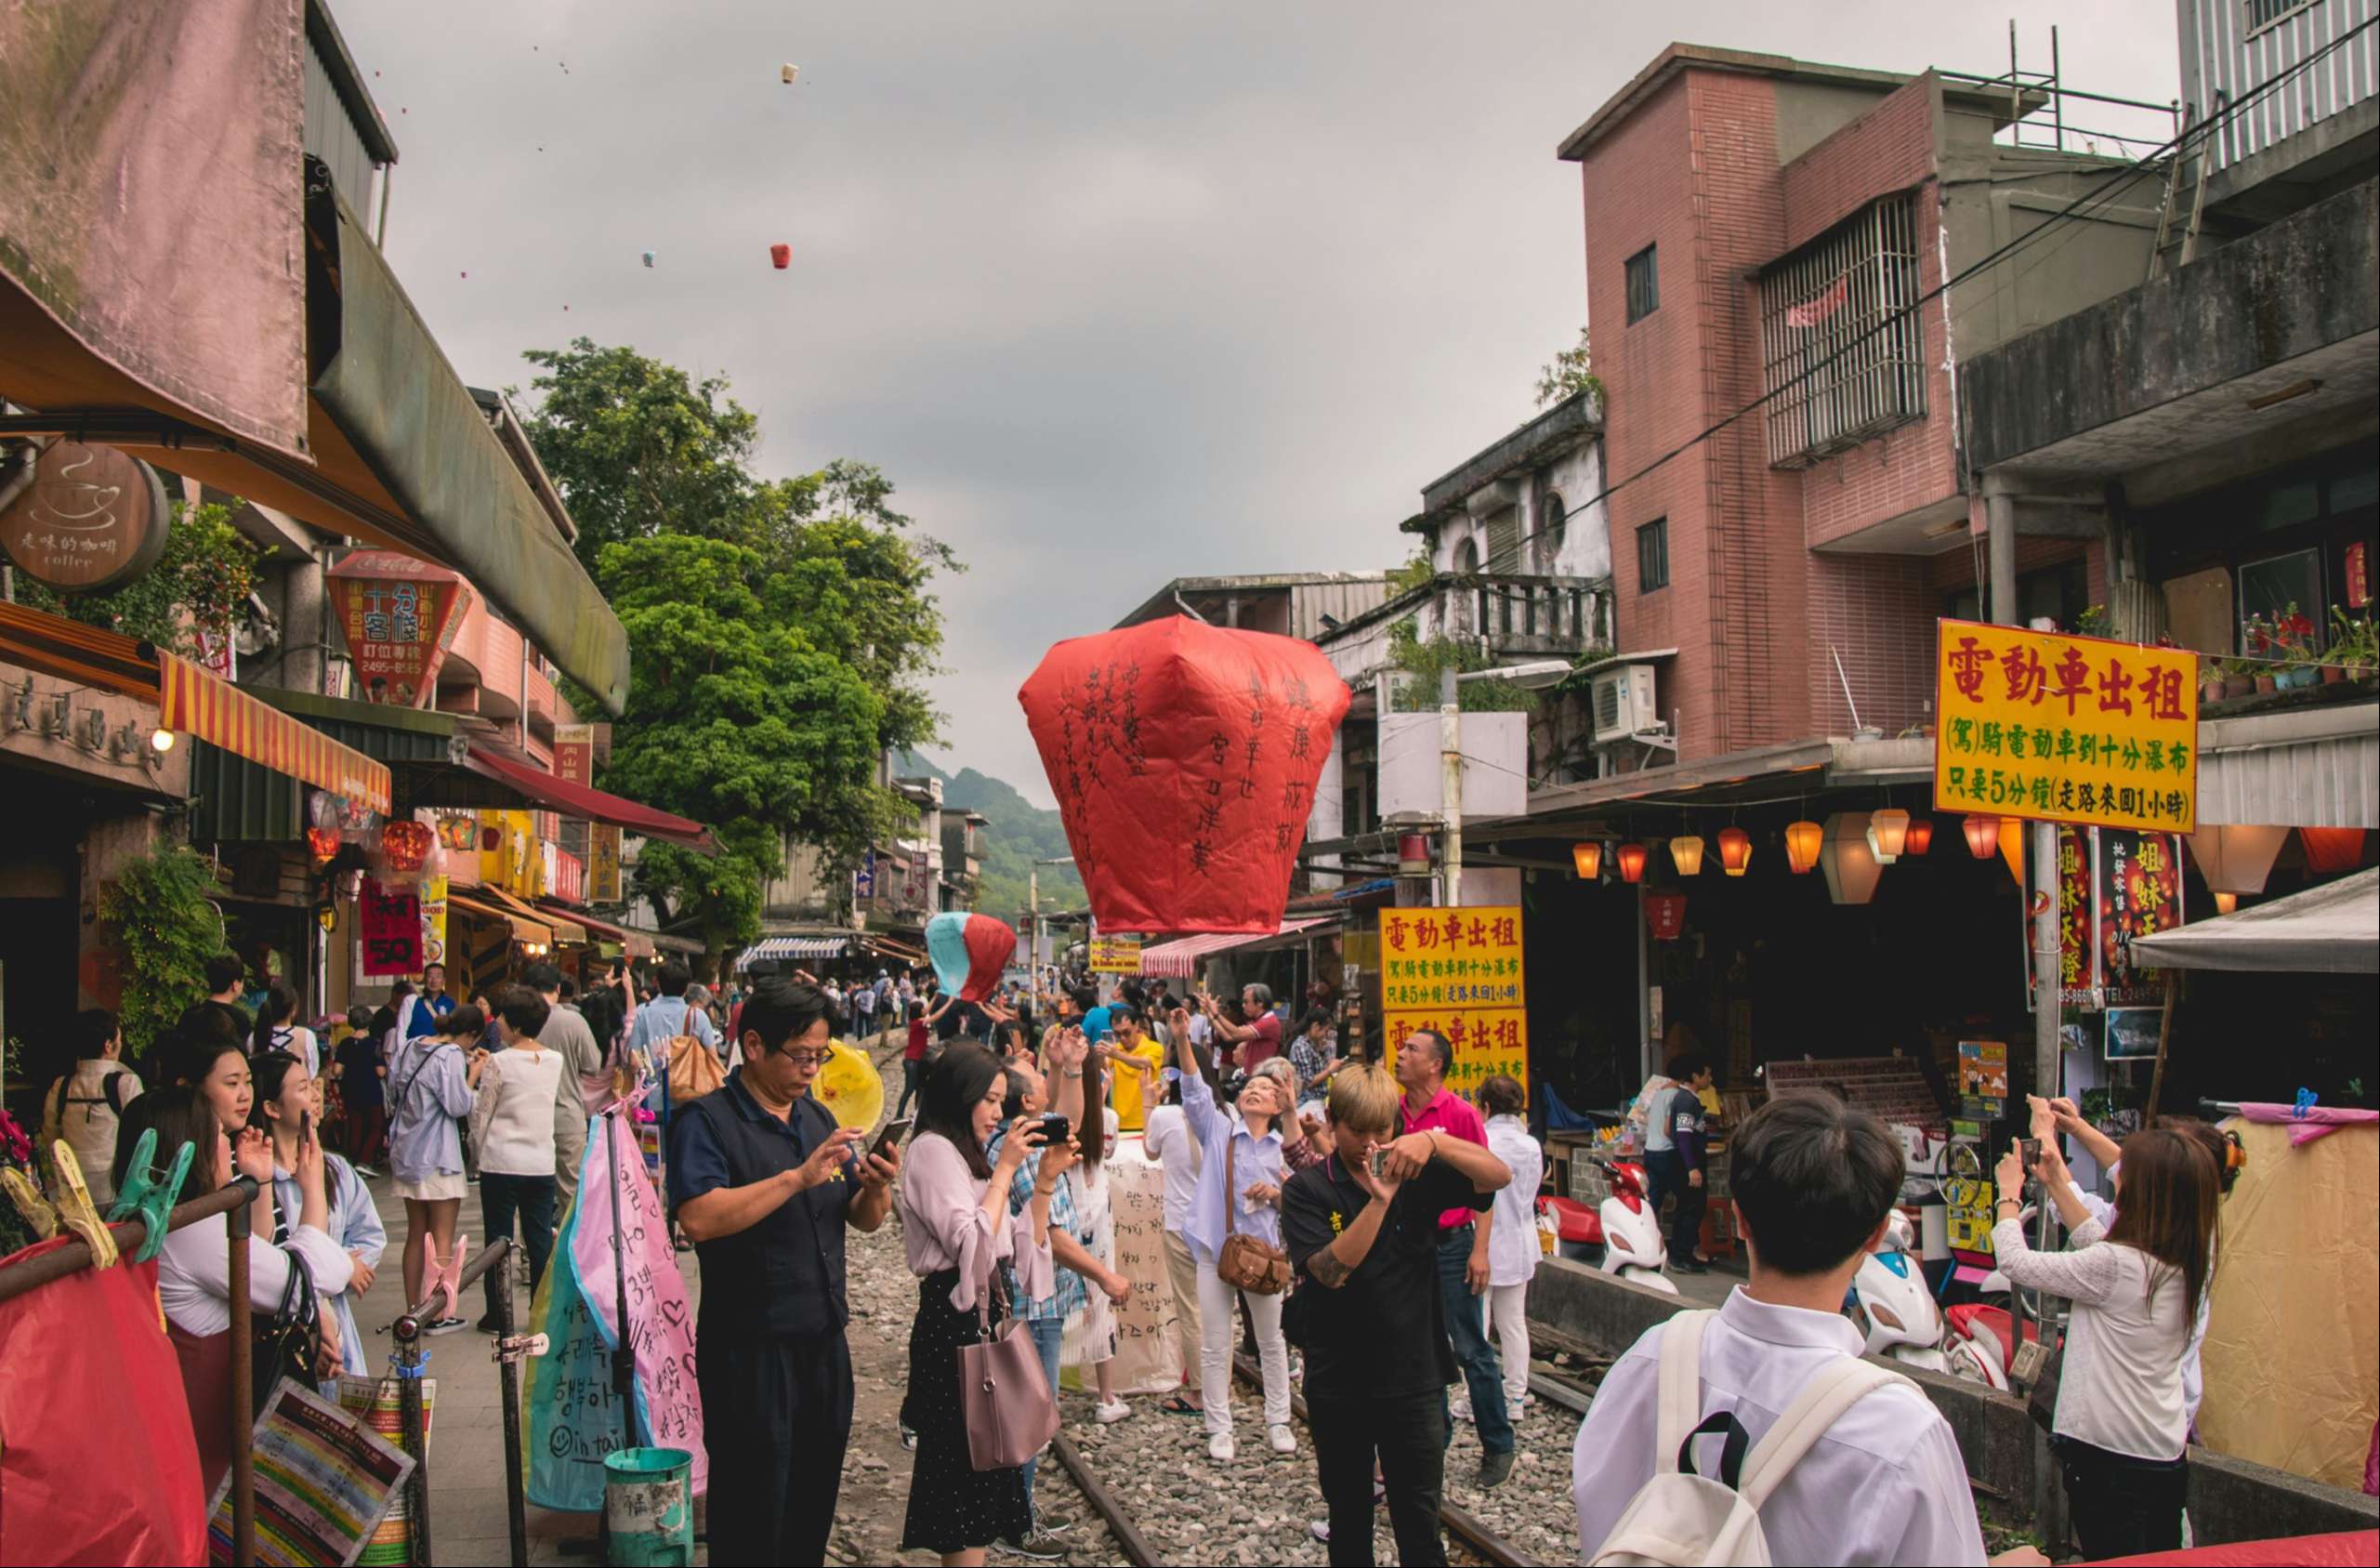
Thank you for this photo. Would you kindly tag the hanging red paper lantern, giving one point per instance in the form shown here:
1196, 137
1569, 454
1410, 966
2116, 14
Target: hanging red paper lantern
1184, 758
1803, 840
1588, 859
1632, 861
1665, 913
2332, 850
406, 844
324, 844
1735, 850
1982, 837
491, 840
1920, 837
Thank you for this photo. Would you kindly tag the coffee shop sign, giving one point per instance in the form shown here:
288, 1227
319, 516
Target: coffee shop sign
90, 520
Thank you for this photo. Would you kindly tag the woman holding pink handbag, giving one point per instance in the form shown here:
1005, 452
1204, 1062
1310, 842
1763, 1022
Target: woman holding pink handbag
955, 1230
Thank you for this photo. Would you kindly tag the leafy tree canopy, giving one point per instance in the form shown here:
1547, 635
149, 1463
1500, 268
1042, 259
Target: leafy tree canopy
199, 587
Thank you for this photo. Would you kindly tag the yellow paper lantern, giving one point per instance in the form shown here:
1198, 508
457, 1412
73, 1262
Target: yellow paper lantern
1589, 859
1887, 834
850, 1086
1735, 850
1802, 841
1686, 855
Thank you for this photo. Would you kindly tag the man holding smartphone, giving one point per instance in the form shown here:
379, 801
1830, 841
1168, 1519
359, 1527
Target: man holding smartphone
765, 1184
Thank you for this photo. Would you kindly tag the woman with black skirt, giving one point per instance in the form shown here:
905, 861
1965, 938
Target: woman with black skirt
955, 1229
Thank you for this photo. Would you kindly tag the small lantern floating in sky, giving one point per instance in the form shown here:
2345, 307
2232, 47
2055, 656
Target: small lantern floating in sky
788, 73
781, 255
647, 259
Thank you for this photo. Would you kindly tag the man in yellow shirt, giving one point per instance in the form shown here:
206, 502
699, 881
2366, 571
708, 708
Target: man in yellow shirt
1137, 1060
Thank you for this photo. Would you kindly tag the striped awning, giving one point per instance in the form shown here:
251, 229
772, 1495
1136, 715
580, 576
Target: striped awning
1179, 960
770, 950
220, 714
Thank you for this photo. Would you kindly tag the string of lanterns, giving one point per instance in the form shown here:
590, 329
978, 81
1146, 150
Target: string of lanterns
1851, 846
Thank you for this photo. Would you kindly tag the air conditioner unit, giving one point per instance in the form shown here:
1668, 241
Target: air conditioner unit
1623, 702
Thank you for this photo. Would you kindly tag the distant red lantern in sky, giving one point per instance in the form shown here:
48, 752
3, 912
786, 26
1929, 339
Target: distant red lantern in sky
781, 257
1184, 758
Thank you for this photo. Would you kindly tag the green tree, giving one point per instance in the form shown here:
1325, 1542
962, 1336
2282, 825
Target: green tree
638, 448
736, 717
162, 912
199, 587
1571, 372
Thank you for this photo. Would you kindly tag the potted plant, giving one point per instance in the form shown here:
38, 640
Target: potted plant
2355, 645
2091, 622
2210, 679
2239, 678
2295, 635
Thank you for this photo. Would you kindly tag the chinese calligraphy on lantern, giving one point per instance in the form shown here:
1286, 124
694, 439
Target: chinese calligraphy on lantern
2068, 729
1459, 973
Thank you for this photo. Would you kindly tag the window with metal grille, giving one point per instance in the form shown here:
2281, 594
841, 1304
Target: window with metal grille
1652, 556
2264, 13
1842, 345
1644, 283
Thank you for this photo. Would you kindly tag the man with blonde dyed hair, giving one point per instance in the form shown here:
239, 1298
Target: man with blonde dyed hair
1361, 1230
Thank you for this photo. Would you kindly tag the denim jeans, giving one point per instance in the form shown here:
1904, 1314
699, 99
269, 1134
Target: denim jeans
1465, 1328
1049, 1336
531, 1197
913, 1078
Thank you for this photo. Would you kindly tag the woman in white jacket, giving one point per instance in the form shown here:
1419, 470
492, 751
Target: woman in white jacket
1512, 1240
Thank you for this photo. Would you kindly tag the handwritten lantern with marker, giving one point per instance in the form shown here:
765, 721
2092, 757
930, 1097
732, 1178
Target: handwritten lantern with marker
1184, 758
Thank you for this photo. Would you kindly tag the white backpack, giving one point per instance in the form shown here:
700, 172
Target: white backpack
1678, 1517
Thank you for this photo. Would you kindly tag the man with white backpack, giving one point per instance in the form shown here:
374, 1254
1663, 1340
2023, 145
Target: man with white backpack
1755, 1434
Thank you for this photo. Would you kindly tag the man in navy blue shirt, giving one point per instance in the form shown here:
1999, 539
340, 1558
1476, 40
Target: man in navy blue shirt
765, 1184
1673, 1138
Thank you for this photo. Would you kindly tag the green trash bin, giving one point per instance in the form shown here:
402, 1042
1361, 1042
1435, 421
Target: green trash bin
649, 1504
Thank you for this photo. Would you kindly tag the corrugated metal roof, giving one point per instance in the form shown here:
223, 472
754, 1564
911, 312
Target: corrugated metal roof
2313, 768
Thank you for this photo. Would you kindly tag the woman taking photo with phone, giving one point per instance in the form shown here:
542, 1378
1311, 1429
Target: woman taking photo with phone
194, 1270
2121, 1422
285, 1113
431, 1080
957, 1231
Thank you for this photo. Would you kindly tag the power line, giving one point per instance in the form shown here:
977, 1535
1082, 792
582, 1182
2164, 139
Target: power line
2080, 207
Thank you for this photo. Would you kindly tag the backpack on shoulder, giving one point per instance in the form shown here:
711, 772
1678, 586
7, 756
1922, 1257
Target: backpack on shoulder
1680, 1517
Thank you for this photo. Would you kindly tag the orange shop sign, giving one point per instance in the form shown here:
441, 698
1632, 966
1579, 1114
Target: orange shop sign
2065, 728
400, 617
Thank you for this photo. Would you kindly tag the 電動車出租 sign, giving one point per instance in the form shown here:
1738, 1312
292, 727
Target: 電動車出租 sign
2065, 728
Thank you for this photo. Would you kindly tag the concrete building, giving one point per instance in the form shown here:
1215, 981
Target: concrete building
1767, 234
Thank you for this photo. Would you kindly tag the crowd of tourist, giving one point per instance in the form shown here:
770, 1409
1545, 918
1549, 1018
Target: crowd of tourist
1369, 1231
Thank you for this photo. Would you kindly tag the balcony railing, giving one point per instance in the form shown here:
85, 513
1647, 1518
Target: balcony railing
1520, 615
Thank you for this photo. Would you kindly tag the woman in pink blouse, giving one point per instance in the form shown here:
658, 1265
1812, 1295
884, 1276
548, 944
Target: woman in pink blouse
955, 1230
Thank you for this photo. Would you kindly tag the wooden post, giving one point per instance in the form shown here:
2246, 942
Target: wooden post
2164, 1033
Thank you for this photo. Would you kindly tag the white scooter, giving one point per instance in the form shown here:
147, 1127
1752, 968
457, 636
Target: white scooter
1632, 1244
1893, 1306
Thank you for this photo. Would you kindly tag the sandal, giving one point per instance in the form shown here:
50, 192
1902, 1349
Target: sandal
1176, 1406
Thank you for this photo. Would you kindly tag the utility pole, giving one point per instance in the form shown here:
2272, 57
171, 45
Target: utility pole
1032, 896
1450, 755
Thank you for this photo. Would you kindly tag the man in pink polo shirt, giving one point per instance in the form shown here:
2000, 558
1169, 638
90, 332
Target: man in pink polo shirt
1421, 1062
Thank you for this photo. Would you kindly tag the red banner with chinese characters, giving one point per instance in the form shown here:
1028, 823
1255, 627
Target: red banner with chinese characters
2078, 952
2065, 728
574, 752
1457, 972
2140, 893
391, 922
400, 617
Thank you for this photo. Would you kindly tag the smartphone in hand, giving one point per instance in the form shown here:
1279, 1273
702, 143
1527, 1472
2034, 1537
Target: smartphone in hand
2029, 1153
1055, 1128
894, 1131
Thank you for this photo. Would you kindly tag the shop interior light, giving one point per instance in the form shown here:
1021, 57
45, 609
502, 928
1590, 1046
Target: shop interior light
2226, 902
1685, 853
1887, 834
1632, 861
1982, 837
1735, 850
1589, 859
1802, 841
1920, 837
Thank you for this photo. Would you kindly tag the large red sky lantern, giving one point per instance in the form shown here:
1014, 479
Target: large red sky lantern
1183, 756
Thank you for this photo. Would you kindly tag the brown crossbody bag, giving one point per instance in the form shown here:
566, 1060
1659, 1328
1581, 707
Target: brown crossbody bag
1248, 1263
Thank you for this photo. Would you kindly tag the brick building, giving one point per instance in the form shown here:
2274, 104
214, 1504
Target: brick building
1757, 227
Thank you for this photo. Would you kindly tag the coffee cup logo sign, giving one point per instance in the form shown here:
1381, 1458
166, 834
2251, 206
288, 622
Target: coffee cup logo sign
92, 521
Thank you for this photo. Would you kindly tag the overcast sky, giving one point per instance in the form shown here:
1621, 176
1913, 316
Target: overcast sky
1115, 291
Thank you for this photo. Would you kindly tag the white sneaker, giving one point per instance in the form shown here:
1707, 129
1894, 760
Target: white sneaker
1462, 1408
1111, 1410
1320, 1529
1221, 1449
1281, 1439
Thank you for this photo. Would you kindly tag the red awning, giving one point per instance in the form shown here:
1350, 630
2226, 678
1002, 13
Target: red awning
577, 800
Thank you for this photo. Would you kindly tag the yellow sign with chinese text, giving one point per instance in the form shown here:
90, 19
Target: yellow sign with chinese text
1457, 972
1115, 956
2065, 728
